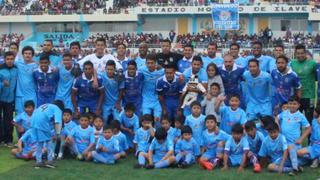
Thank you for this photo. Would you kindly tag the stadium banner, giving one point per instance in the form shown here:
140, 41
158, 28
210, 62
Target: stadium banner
58, 37
252, 9
225, 16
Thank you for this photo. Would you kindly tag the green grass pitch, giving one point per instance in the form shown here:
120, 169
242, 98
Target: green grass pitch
14, 169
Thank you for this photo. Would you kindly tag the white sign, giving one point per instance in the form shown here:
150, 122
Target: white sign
256, 9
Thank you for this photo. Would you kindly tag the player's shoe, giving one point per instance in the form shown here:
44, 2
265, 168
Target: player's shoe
206, 165
256, 168
60, 156
39, 165
315, 163
50, 164
149, 166
79, 157
138, 166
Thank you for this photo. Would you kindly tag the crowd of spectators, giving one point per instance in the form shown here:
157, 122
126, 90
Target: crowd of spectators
6, 39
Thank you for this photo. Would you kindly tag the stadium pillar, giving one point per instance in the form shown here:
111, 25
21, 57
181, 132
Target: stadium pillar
194, 24
139, 24
309, 27
10, 28
251, 24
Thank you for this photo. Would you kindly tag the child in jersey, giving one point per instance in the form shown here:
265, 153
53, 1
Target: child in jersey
67, 127
22, 121
161, 152
313, 150
178, 124
196, 121
107, 148
230, 115
46, 82
209, 102
142, 140
117, 134
26, 147
291, 123
82, 138
212, 144
172, 135
254, 137
275, 148
236, 151
186, 149
97, 127
129, 123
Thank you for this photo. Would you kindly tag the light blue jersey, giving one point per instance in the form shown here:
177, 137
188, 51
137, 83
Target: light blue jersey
236, 150
173, 134
123, 145
291, 124
29, 142
149, 93
26, 87
256, 142
197, 125
82, 138
112, 88
258, 88
242, 62
41, 120
160, 150
266, 63
190, 146
202, 75
142, 139
23, 120
230, 117
65, 83
141, 63
67, 128
131, 123
207, 60
273, 148
315, 133
210, 141
112, 146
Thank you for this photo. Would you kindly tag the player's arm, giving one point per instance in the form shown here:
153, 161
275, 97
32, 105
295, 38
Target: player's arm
150, 157
74, 94
100, 101
118, 103
225, 160
304, 135
162, 103
151, 130
298, 93
244, 160
169, 153
284, 158
19, 144
220, 100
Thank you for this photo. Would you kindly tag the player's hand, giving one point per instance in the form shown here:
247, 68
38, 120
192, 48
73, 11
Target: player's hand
179, 112
130, 132
225, 168
20, 129
221, 98
209, 97
118, 106
240, 169
181, 79
299, 141
5, 83
98, 112
164, 111
76, 113
19, 149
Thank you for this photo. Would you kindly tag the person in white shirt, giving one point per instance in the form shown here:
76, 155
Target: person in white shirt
100, 58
